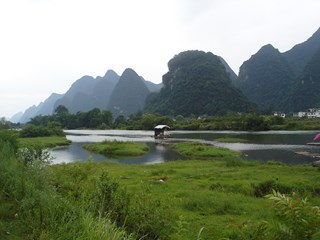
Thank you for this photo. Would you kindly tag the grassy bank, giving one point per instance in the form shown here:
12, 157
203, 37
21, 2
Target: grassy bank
180, 199
49, 142
214, 196
190, 195
118, 149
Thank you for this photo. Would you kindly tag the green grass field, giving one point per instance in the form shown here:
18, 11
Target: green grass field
49, 142
118, 149
214, 195
218, 197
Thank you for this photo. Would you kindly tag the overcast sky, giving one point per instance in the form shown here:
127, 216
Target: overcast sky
46, 45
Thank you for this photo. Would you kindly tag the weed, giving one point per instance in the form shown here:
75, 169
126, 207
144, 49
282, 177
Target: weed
266, 187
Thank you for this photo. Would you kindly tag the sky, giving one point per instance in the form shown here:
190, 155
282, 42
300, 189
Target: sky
46, 45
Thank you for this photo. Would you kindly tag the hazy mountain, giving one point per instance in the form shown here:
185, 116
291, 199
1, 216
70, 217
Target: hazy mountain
47, 107
197, 83
306, 90
129, 95
88, 93
153, 87
103, 89
44, 108
266, 78
299, 56
82, 88
16, 118
29, 113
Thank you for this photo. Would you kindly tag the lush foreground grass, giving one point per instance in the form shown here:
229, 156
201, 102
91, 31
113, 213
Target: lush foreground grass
180, 199
117, 148
31, 207
217, 197
49, 142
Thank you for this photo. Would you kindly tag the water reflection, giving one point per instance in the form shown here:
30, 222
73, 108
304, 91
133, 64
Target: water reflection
273, 145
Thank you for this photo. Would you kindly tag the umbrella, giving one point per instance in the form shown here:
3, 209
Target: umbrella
316, 137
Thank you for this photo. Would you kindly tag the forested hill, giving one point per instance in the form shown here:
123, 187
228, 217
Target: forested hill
306, 91
283, 81
265, 78
301, 54
197, 83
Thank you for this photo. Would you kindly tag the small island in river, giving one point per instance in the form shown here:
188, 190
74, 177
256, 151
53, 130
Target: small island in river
118, 149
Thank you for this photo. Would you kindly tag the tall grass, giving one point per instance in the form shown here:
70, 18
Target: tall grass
31, 208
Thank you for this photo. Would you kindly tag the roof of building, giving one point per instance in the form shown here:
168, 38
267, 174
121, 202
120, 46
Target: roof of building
162, 127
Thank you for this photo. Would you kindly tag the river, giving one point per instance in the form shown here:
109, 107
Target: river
285, 146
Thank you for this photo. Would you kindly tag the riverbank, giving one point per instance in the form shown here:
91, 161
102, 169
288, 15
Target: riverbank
212, 195
220, 197
48, 142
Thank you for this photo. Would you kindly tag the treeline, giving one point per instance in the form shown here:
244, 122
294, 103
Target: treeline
97, 119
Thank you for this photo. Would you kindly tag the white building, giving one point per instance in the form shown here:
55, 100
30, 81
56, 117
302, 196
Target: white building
310, 113
279, 114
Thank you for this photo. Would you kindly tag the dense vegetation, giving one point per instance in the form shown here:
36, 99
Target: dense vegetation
306, 93
266, 79
31, 130
4, 124
283, 81
197, 83
31, 207
96, 119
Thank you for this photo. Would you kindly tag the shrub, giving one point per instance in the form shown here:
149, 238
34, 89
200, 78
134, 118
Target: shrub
52, 129
9, 137
294, 219
267, 187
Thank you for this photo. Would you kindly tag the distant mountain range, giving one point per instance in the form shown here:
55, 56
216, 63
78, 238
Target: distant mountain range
87, 93
202, 83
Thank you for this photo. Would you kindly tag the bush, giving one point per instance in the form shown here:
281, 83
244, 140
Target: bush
11, 138
267, 187
52, 129
31, 208
294, 219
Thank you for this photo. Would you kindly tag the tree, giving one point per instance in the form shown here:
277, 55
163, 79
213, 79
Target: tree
4, 124
61, 110
62, 115
119, 121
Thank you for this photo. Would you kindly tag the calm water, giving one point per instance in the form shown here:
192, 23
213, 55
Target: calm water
285, 146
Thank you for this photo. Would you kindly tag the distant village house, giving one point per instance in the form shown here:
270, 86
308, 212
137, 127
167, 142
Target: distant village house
310, 113
279, 114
